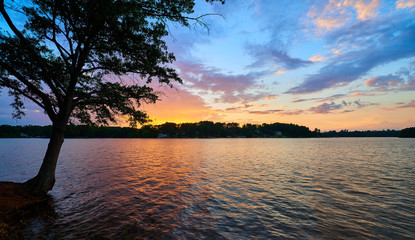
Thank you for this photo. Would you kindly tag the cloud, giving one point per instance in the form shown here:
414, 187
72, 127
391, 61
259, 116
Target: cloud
268, 56
271, 98
328, 17
31, 110
328, 107
325, 108
316, 58
411, 104
242, 106
407, 71
297, 100
245, 97
402, 80
362, 94
281, 112
380, 41
319, 99
228, 88
178, 105
279, 72
266, 112
333, 97
291, 112
405, 4
336, 14
365, 9
33, 113
203, 77
278, 26
384, 81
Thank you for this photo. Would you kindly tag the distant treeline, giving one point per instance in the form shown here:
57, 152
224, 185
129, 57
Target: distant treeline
367, 133
408, 132
203, 129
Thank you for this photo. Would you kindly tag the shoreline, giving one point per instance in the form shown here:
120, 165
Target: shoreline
14, 208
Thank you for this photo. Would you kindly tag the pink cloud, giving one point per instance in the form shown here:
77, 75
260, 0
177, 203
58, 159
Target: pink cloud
281, 112
227, 88
384, 81
328, 107
325, 108
411, 104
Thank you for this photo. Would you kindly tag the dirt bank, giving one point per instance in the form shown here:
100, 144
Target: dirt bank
14, 206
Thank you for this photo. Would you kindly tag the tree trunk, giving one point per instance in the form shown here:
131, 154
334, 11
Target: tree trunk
45, 179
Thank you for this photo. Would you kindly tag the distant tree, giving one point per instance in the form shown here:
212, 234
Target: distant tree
206, 129
188, 129
148, 131
61, 58
168, 128
250, 130
232, 129
407, 132
7, 131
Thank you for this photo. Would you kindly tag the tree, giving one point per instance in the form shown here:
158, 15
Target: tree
168, 128
63, 56
188, 129
407, 132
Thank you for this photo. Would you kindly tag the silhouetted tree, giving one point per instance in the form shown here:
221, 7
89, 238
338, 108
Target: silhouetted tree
250, 130
407, 132
206, 129
168, 128
61, 58
188, 129
148, 131
201, 129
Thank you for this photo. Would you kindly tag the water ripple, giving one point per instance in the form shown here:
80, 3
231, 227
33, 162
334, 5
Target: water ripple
223, 188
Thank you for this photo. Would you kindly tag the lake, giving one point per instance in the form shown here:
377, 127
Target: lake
338, 188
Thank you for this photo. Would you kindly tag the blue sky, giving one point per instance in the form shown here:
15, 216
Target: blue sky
323, 64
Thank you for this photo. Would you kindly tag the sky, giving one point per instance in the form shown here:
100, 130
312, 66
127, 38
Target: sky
330, 65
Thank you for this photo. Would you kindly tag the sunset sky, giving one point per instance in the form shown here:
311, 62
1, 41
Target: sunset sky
330, 65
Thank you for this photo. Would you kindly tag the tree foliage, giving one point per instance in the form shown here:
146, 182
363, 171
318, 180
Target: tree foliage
63, 57
87, 61
203, 129
407, 132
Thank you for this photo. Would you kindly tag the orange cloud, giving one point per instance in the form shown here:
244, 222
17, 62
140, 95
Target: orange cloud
384, 81
329, 22
327, 18
405, 4
279, 72
271, 98
316, 58
337, 13
364, 9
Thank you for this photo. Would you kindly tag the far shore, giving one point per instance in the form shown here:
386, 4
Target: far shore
204, 129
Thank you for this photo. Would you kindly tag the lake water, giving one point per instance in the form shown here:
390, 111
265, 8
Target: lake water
343, 188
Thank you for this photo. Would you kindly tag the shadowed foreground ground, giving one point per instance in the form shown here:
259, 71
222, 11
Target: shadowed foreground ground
14, 208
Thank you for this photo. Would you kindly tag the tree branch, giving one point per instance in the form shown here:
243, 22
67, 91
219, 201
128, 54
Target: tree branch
6, 82
27, 44
36, 91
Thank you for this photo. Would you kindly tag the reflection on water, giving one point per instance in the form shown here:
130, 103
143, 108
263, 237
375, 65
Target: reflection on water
223, 188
